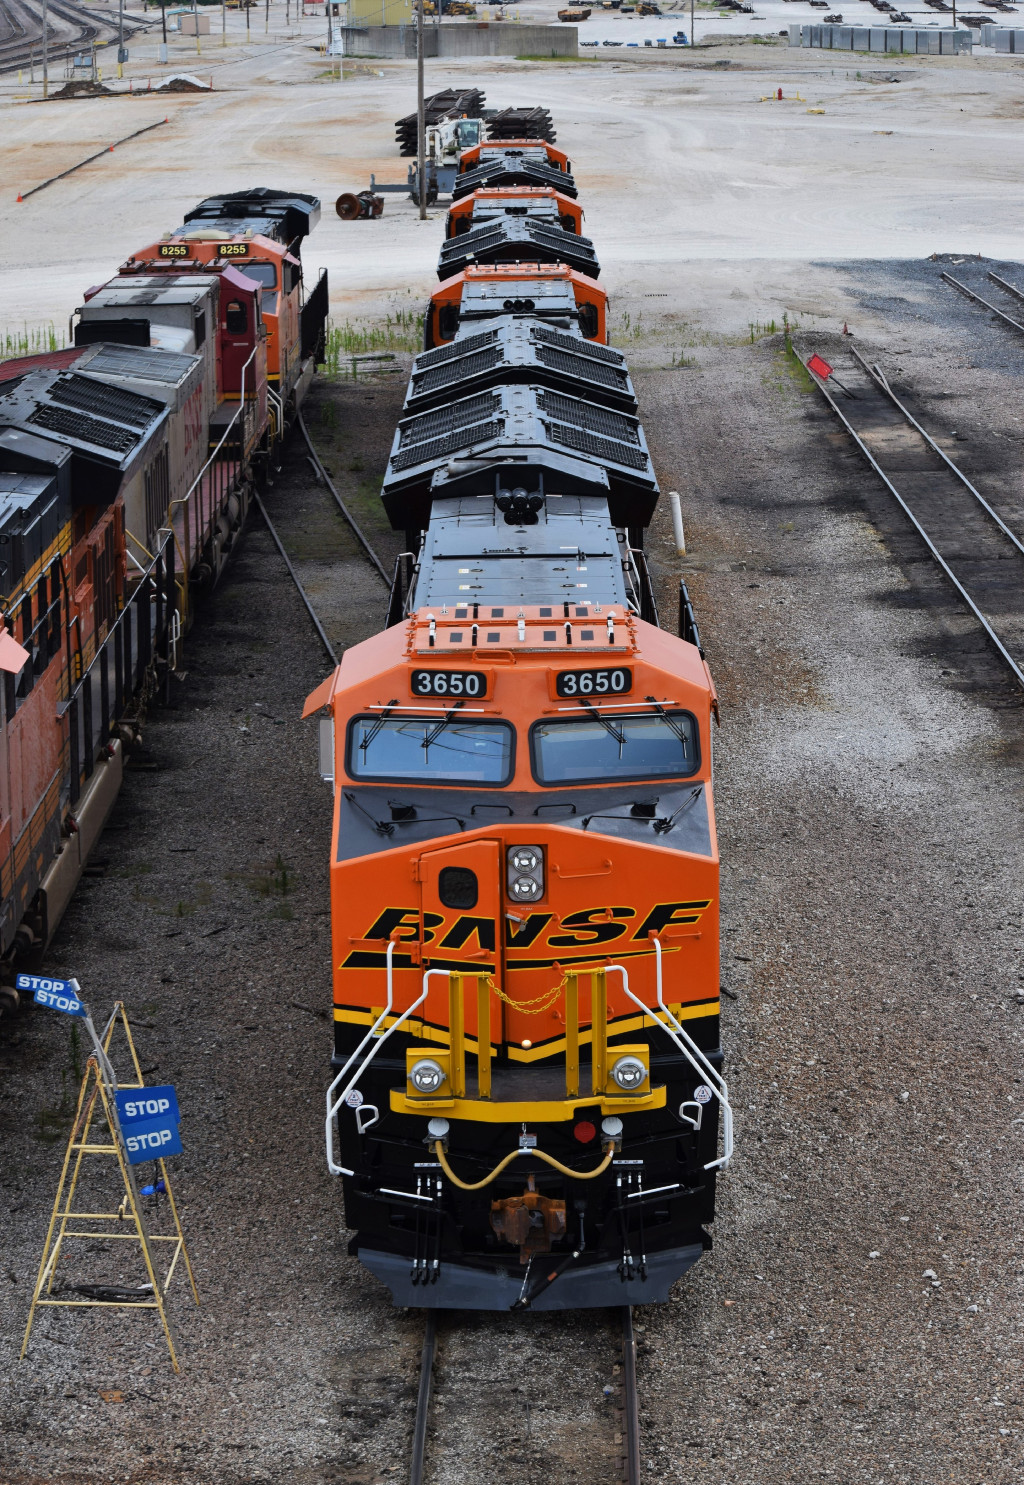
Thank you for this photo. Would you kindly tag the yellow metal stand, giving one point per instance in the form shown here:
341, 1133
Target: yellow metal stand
64, 1220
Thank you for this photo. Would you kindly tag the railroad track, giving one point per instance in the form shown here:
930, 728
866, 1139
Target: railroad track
312, 573
1001, 283
979, 552
69, 28
629, 1471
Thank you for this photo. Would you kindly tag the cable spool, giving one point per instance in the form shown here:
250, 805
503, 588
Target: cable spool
352, 207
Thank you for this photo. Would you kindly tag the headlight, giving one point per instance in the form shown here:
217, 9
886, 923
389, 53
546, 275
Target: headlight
524, 867
426, 1076
525, 889
629, 1073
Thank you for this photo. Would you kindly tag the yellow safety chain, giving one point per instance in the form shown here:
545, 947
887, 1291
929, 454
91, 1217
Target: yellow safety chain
532, 1007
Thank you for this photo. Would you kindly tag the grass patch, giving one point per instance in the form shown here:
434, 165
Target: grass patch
267, 881
399, 331
35, 342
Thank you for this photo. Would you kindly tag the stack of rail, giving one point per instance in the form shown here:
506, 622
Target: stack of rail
450, 103
522, 123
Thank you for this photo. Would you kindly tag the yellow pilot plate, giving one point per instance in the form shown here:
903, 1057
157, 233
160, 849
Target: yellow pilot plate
547, 1111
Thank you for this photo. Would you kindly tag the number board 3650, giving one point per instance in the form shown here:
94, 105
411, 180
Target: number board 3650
457, 683
605, 682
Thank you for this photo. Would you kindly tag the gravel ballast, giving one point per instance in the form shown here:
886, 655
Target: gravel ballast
859, 1318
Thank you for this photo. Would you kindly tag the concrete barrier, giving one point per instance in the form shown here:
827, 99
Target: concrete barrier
935, 41
463, 39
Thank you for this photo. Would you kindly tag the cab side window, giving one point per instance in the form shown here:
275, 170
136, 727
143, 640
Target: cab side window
236, 320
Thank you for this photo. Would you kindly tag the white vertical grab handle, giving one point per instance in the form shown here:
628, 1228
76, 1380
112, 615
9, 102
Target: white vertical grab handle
677, 522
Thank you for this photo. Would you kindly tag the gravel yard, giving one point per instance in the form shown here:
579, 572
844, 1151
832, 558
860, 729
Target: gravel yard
859, 1317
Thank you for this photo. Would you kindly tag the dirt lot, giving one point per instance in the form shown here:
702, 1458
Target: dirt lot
860, 1317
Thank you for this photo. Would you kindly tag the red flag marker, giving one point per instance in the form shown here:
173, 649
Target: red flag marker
819, 367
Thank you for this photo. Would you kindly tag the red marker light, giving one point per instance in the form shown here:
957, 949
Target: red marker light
585, 1131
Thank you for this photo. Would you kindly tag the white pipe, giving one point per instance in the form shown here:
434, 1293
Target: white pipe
677, 522
690, 1050
381, 1037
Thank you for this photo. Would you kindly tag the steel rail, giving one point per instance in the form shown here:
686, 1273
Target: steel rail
349, 517
958, 585
17, 51
877, 377
419, 1431
1010, 288
631, 1399
970, 294
106, 150
295, 579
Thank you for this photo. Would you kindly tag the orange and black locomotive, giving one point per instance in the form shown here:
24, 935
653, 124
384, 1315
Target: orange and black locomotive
528, 1105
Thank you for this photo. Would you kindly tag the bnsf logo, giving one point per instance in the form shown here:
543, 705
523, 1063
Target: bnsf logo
589, 926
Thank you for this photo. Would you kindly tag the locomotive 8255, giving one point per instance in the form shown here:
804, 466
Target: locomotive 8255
528, 1104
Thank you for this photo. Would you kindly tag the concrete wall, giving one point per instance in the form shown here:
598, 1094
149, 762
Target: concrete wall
466, 39
1009, 40
933, 42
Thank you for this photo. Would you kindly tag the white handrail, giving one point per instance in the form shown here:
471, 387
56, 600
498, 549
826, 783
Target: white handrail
690, 1050
374, 1034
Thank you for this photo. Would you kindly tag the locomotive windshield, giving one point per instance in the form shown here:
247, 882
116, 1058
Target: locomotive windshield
263, 273
610, 748
435, 750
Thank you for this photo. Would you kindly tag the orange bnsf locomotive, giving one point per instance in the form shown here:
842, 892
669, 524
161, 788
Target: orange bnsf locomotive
528, 1106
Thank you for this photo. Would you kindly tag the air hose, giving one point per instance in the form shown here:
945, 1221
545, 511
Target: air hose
565, 1170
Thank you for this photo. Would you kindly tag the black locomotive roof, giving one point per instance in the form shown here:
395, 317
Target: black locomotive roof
105, 428
513, 168
456, 449
515, 239
569, 553
547, 297
486, 207
294, 213
519, 349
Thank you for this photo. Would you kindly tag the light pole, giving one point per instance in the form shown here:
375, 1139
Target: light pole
692, 37
163, 22
46, 75
223, 23
195, 22
421, 121
120, 40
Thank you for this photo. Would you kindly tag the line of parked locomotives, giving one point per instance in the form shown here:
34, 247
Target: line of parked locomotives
528, 1105
126, 465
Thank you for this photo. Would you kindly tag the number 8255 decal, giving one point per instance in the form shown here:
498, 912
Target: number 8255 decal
594, 682
449, 683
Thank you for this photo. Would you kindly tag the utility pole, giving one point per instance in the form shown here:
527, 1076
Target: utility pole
247, 5
266, 18
163, 22
693, 39
120, 40
421, 121
195, 19
223, 23
46, 75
